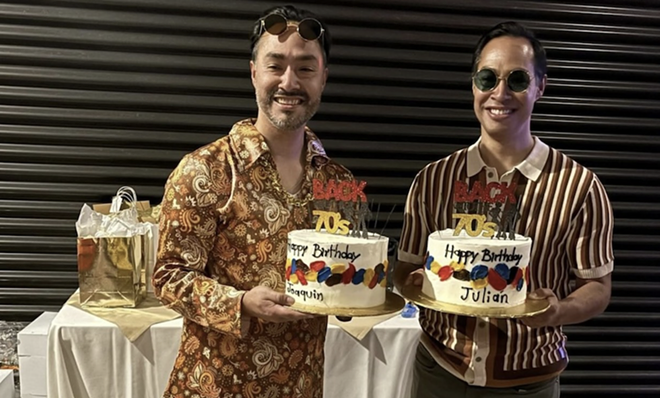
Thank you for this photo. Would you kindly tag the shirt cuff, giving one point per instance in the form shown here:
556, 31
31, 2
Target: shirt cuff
596, 272
244, 319
410, 258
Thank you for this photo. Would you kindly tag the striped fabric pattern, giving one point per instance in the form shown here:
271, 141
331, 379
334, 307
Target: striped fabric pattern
565, 210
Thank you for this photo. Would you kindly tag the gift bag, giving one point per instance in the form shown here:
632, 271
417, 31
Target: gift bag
114, 251
150, 253
146, 214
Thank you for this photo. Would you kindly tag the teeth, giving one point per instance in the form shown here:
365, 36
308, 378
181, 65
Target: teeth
287, 101
500, 111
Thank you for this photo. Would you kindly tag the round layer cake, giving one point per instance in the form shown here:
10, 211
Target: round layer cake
477, 271
335, 271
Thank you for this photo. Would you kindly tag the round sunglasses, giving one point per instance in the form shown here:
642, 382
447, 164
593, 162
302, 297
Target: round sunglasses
517, 80
309, 28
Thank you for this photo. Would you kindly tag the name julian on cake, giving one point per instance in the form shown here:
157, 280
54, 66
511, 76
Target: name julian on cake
483, 296
470, 256
305, 294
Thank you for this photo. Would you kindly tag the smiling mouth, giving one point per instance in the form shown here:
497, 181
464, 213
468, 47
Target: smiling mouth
288, 101
500, 111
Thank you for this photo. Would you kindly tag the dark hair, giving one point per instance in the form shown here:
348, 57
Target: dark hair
513, 29
291, 13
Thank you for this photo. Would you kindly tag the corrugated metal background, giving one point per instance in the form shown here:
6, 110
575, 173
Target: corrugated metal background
101, 93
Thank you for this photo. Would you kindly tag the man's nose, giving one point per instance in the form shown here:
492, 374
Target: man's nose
501, 90
289, 80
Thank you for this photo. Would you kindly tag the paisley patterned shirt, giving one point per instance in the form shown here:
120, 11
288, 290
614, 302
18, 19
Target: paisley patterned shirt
223, 230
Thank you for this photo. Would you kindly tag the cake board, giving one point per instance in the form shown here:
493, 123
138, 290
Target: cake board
528, 308
393, 303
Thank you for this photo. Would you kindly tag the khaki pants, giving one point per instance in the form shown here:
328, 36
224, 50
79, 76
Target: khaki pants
430, 380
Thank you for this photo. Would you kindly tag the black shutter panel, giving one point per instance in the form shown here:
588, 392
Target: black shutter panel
95, 94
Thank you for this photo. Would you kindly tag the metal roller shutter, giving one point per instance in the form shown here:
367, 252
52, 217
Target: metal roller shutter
95, 94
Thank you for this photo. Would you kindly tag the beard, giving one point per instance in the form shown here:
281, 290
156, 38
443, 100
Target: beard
291, 120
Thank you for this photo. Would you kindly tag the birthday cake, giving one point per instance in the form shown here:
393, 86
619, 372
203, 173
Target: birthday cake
482, 262
327, 270
340, 264
477, 271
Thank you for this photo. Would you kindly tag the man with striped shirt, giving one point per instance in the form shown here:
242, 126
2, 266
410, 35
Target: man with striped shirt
563, 208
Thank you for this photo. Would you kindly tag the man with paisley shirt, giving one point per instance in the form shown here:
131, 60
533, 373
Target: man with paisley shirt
227, 209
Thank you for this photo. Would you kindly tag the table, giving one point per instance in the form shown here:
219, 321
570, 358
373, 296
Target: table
7, 383
89, 357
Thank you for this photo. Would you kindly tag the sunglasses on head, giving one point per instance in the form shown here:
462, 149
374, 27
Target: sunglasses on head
309, 28
517, 80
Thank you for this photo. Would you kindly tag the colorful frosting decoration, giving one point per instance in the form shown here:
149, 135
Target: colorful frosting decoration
297, 272
480, 275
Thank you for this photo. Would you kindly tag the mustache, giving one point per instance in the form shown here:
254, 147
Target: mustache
284, 93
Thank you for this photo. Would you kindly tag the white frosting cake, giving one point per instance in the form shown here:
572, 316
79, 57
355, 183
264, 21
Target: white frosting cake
477, 271
336, 271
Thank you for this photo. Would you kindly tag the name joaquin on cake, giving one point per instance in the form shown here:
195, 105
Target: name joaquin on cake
305, 294
470, 256
318, 251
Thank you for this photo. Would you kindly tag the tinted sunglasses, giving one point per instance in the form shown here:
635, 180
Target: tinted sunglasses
309, 28
517, 80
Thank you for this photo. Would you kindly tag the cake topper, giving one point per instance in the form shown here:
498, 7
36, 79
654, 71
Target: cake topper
490, 211
341, 207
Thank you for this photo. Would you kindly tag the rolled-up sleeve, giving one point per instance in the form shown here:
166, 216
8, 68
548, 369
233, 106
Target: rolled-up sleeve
591, 235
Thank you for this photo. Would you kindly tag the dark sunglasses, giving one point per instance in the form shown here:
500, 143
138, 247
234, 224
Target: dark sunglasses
309, 28
517, 80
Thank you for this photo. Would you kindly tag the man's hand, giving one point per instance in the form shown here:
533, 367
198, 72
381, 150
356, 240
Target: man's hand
589, 299
549, 317
415, 278
265, 303
407, 274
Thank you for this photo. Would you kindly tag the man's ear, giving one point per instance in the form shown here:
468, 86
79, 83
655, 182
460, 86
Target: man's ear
540, 88
253, 72
325, 76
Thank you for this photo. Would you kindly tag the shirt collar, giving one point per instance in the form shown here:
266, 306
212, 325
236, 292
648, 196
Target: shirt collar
249, 144
531, 167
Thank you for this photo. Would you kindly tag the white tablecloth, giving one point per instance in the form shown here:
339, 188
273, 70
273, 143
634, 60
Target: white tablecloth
7, 383
89, 357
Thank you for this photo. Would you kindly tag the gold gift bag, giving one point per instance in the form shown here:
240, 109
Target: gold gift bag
111, 271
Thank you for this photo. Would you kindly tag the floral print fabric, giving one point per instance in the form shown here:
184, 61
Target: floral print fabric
223, 231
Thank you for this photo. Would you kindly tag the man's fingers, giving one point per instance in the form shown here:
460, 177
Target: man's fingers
541, 294
269, 305
281, 298
417, 278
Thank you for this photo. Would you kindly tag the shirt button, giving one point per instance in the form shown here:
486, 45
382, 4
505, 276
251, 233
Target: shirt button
482, 324
478, 359
490, 174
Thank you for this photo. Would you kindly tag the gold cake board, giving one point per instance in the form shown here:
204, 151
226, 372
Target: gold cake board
528, 308
393, 303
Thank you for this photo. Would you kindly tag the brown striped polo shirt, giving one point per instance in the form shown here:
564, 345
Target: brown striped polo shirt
564, 209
